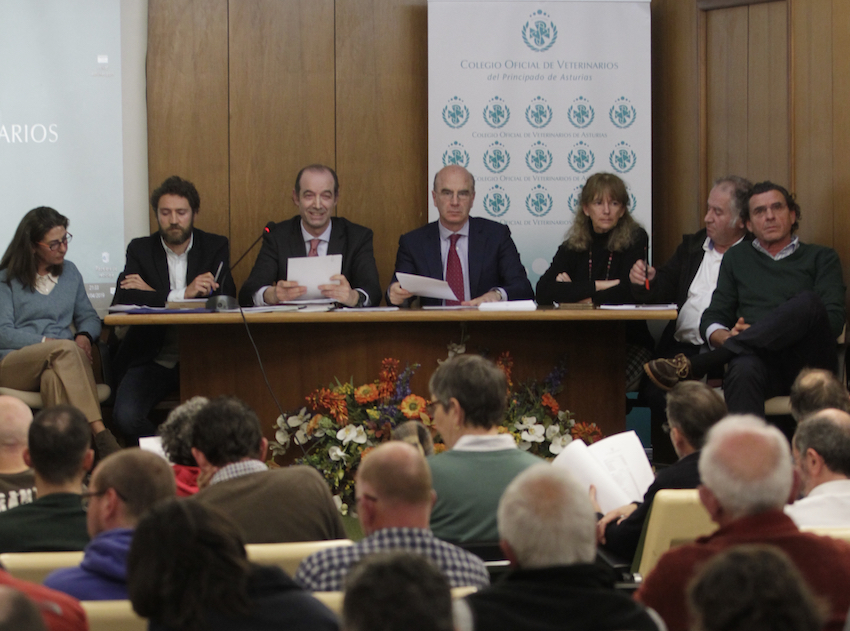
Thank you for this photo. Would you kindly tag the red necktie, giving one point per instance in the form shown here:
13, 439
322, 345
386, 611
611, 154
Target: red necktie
314, 247
454, 272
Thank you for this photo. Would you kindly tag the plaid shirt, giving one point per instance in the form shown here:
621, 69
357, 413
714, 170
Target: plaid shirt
325, 570
237, 470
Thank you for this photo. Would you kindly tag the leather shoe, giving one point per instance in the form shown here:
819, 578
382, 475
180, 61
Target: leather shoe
666, 373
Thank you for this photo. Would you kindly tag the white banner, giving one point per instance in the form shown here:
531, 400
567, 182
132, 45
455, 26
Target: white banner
533, 98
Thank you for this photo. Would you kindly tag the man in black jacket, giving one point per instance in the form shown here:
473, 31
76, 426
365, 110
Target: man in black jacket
177, 262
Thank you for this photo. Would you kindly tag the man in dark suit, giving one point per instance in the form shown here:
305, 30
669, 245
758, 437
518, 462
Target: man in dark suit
315, 232
488, 259
175, 263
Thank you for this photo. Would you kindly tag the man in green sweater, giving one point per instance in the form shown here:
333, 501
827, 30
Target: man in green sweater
778, 307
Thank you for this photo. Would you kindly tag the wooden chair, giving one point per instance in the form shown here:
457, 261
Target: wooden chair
35, 566
333, 600
288, 556
113, 615
676, 517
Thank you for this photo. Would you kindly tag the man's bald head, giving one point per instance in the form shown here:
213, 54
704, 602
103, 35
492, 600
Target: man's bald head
827, 435
816, 389
15, 419
397, 473
746, 464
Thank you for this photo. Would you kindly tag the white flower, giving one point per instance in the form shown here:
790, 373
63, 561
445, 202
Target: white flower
524, 445
534, 434
351, 433
298, 419
559, 442
301, 436
337, 454
282, 436
318, 432
342, 508
527, 422
552, 431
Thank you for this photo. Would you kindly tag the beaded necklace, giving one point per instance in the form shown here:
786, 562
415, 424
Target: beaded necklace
590, 265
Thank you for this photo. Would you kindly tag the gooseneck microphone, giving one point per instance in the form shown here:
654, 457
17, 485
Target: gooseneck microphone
229, 303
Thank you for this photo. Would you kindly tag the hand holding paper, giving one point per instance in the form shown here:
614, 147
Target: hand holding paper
427, 287
310, 272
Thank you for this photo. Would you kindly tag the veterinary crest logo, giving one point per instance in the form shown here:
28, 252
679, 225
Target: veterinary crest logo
496, 201
538, 158
580, 113
539, 32
456, 154
539, 201
622, 158
538, 113
622, 113
496, 158
572, 200
581, 158
455, 113
497, 113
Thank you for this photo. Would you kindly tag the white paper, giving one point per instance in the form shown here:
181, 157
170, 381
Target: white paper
312, 271
427, 287
152, 444
624, 458
577, 459
509, 305
637, 307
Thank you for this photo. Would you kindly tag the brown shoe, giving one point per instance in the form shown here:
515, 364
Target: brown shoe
666, 373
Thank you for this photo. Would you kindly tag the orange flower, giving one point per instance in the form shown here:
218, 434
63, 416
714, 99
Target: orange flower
506, 363
588, 432
365, 453
313, 424
412, 406
332, 402
439, 448
387, 378
548, 402
366, 394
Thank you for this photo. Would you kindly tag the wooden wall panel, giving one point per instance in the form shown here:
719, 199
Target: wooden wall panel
281, 109
841, 131
726, 91
768, 155
187, 102
382, 118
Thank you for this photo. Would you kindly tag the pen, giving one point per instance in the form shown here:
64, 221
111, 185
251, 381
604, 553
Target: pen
218, 271
646, 267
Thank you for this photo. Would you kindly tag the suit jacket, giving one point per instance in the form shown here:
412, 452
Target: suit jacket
146, 257
285, 241
493, 259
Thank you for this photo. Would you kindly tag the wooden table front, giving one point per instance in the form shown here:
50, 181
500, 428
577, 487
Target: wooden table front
302, 351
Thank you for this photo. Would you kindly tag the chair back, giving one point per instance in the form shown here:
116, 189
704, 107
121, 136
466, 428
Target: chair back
832, 531
288, 556
35, 566
333, 600
113, 615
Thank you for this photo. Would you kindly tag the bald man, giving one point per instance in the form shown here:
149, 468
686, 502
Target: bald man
394, 500
17, 480
747, 477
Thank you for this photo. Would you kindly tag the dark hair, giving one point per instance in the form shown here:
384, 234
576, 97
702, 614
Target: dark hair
753, 588
416, 434
766, 186
177, 186
740, 192
19, 259
816, 389
186, 559
226, 430
316, 167
176, 432
58, 440
478, 384
142, 479
694, 407
831, 441
397, 590
623, 234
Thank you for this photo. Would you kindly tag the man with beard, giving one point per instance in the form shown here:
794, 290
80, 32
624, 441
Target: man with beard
177, 262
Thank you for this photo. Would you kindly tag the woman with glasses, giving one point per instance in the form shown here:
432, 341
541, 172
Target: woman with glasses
41, 297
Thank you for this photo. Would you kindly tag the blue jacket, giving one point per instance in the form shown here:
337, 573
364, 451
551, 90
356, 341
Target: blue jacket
103, 573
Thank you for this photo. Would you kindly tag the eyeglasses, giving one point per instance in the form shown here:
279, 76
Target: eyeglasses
54, 245
85, 498
462, 196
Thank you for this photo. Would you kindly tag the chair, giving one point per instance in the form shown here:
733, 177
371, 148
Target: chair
288, 556
113, 615
677, 516
333, 600
35, 566
834, 532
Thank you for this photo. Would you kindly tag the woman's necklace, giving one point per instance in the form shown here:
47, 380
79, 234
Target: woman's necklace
590, 265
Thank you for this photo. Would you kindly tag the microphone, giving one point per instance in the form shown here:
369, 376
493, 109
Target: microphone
229, 303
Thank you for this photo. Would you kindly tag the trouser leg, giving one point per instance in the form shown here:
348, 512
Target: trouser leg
139, 391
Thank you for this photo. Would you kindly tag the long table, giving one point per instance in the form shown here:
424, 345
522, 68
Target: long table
302, 351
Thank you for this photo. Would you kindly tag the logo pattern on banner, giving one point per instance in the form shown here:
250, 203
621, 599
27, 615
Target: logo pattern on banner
539, 201
496, 113
581, 158
633, 200
496, 201
538, 158
456, 154
572, 200
496, 158
622, 158
538, 33
580, 113
622, 113
455, 113
538, 113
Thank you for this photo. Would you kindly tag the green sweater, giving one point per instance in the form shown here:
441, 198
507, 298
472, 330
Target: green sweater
469, 485
751, 284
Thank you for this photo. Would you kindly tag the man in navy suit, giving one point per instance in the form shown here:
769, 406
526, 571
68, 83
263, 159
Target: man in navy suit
177, 262
489, 260
315, 232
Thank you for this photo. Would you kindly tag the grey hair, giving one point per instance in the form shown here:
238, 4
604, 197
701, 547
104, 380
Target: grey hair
176, 431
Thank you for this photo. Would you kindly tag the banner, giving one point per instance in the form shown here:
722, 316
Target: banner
533, 98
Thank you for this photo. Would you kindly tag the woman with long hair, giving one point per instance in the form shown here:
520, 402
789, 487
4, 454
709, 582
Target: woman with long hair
42, 296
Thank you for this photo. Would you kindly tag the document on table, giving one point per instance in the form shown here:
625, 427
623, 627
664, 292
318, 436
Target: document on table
509, 305
312, 271
427, 287
637, 307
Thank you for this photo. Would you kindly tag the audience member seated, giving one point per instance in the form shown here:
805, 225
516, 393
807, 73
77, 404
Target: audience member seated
547, 531
41, 297
814, 390
416, 434
176, 434
188, 571
692, 408
747, 478
269, 506
821, 448
18, 612
397, 591
17, 479
123, 487
59, 611
753, 588
394, 499
469, 397
59, 451
593, 262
